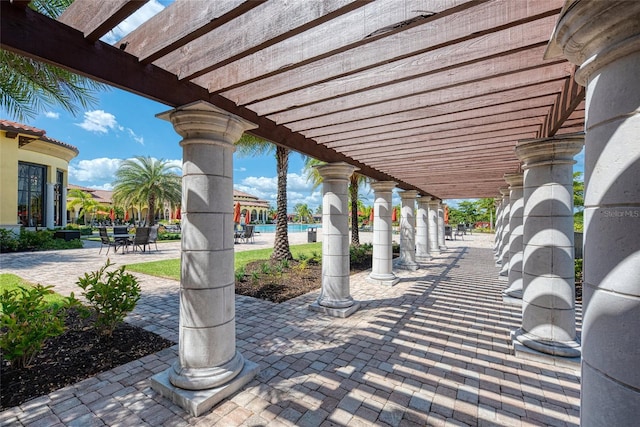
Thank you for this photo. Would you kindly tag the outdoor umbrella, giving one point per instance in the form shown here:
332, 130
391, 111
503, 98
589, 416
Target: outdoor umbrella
446, 214
236, 213
178, 214
112, 215
126, 216
371, 216
247, 217
394, 216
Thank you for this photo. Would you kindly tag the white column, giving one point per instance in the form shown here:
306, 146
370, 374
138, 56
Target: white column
381, 269
603, 38
407, 260
208, 360
503, 261
49, 208
422, 230
516, 209
432, 227
498, 227
441, 241
335, 297
548, 300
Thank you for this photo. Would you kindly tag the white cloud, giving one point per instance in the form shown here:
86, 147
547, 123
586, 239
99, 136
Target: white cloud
132, 22
96, 171
298, 190
136, 138
51, 115
98, 121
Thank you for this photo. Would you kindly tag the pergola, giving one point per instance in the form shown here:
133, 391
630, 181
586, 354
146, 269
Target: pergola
432, 94
441, 98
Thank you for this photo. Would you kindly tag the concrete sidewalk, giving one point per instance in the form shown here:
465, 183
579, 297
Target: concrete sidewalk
432, 350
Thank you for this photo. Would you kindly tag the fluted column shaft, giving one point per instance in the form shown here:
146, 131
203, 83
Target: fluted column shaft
382, 265
408, 231
432, 227
548, 301
335, 297
603, 38
422, 230
516, 248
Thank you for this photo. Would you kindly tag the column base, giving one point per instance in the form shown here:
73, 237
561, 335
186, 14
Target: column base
512, 293
434, 254
197, 402
382, 279
424, 259
406, 265
498, 262
443, 247
564, 349
505, 271
335, 312
508, 300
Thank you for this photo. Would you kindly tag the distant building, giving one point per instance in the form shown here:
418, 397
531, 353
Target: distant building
259, 209
33, 177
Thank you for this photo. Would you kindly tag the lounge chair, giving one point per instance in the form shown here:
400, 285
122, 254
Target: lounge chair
141, 238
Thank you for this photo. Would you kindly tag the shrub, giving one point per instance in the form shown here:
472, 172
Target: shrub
578, 270
8, 241
265, 268
112, 294
239, 274
40, 240
27, 320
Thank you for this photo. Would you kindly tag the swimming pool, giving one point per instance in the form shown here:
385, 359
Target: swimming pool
293, 228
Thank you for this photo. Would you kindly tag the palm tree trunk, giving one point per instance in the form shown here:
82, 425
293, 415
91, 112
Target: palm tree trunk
281, 245
353, 193
151, 213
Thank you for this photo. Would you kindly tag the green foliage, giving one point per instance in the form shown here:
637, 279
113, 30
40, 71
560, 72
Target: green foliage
578, 267
112, 294
265, 268
27, 319
239, 273
284, 263
164, 235
359, 254
41, 240
578, 221
578, 191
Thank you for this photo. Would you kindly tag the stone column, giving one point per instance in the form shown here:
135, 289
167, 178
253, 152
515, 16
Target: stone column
407, 259
441, 241
603, 38
516, 208
49, 207
381, 269
209, 368
498, 228
422, 233
64, 205
432, 227
335, 298
548, 300
503, 261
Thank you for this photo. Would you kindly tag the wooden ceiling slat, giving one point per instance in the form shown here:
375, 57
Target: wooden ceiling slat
492, 54
96, 18
465, 23
180, 23
429, 105
422, 126
568, 99
425, 91
406, 121
379, 19
257, 29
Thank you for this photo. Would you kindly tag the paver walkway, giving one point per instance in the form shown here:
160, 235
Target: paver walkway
432, 350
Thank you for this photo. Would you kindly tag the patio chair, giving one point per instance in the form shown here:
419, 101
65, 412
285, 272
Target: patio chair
153, 236
141, 238
248, 233
105, 240
461, 230
447, 232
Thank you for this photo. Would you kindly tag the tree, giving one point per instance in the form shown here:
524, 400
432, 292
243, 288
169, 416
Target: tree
250, 145
578, 201
488, 207
88, 205
302, 212
469, 211
28, 87
145, 180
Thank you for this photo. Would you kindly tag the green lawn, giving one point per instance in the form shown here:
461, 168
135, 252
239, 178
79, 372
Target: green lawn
11, 281
171, 268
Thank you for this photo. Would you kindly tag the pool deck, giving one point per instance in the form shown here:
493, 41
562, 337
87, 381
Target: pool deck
432, 350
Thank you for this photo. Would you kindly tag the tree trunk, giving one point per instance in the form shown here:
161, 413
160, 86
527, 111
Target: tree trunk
281, 245
151, 214
353, 194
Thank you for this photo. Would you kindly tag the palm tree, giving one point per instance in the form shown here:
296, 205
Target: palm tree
146, 180
250, 145
28, 87
85, 200
488, 205
303, 212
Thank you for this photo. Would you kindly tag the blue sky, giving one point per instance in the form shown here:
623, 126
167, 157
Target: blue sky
122, 125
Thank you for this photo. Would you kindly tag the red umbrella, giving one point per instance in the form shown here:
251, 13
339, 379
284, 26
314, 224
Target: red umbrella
247, 217
236, 213
446, 214
178, 214
112, 215
371, 216
394, 216
126, 216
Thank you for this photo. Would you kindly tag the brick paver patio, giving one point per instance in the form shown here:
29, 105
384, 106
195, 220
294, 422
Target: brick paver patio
432, 350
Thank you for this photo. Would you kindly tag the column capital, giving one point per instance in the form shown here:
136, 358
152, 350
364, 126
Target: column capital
408, 194
504, 191
545, 151
514, 179
338, 170
383, 185
424, 200
592, 34
205, 123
